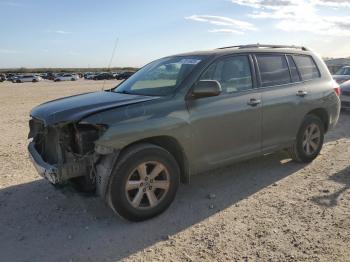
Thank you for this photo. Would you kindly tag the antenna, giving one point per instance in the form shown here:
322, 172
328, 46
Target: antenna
111, 60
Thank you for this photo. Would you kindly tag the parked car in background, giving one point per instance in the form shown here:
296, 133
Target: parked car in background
26, 78
2, 77
345, 95
182, 115
50, 76
124, 75
103, 76
10, 76
342, 75
90, 76
66, 77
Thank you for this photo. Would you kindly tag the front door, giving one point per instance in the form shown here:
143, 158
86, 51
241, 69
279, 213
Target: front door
228, 126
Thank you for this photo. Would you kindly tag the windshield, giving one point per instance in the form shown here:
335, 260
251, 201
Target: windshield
160, 77
343, 71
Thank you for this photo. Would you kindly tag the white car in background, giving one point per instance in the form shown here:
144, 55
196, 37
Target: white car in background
26, 78
66, 77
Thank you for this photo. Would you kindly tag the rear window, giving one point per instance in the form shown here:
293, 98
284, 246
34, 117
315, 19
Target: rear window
307, 67
273, 70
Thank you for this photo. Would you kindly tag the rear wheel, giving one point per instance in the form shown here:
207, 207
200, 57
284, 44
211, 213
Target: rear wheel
144, 182
309, 140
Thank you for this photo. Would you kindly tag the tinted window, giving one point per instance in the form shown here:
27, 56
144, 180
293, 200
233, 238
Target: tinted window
343, 71
273, 70
293, 69
233, 73
307, 67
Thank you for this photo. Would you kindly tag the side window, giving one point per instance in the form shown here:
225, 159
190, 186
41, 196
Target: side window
233, 73
307, 67
273, 70
293, 69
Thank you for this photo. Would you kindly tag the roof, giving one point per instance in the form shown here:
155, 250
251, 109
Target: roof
251, 48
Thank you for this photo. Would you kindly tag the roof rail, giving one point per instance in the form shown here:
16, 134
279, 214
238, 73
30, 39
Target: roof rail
266, 46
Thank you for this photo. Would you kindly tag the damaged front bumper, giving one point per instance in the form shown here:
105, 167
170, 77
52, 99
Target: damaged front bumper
59, 173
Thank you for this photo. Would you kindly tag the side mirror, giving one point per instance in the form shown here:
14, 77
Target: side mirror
206, 88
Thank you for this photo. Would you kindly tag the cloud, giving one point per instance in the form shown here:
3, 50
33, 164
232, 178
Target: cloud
334, 3
271, 4
74, 53
11, 3
300, 15
226, 30
8, 51
231, 25
61, 32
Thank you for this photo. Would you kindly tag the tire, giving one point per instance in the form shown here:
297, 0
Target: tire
302, 151
34, 81
124, 201
72, 79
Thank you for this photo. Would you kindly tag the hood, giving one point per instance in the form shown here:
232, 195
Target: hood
74, 108
341, 78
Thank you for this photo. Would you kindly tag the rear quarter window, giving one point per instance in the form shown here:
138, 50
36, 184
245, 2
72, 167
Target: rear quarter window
307, 67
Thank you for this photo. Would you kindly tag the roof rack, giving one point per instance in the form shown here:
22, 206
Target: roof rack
266, 46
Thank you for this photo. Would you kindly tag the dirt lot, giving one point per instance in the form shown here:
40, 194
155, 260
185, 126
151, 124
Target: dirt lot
265, 209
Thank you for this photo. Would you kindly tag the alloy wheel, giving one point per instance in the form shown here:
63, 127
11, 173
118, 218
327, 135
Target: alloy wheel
311, 139
147, 185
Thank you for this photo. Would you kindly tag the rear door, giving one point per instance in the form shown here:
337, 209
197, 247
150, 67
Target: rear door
283, 96
227, 126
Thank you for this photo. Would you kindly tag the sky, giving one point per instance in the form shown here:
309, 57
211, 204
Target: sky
83, 33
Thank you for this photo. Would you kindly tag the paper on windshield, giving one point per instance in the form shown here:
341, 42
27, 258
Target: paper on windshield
188, 61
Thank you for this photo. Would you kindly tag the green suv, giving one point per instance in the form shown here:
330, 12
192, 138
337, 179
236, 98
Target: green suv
182, 115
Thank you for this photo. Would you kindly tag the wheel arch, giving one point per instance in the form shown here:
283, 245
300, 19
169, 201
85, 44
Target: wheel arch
323, 115
173, 146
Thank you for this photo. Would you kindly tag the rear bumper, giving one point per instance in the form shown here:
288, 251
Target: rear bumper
333, 110
59, 173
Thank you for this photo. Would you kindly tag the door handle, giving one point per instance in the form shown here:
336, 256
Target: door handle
301, 93
254, 102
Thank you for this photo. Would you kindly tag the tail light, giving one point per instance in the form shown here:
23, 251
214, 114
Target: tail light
337, 89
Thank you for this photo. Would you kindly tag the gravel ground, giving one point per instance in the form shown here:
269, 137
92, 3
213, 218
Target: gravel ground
265, 209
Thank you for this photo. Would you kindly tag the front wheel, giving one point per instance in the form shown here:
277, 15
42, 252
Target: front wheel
143, 182
309, 140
